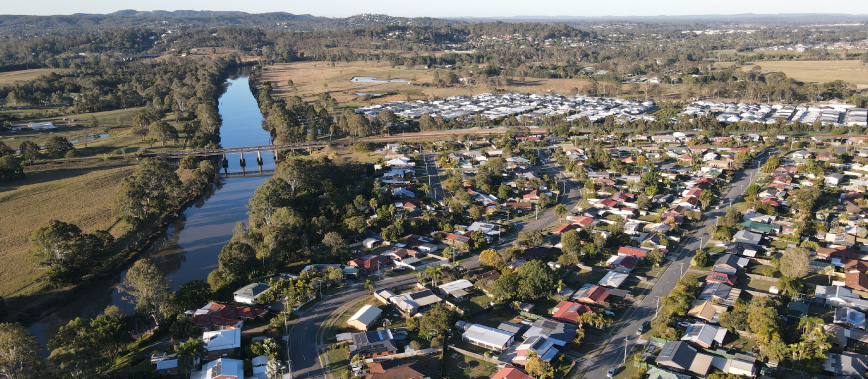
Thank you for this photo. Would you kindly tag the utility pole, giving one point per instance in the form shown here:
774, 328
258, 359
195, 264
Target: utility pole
682, 269
657, 307
625, 350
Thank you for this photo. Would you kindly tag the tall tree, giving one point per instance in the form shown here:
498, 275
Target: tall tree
154, 188
145, 284
19, 351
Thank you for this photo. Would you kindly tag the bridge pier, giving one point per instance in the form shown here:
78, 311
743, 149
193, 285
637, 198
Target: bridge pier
225, 162
259, 159
243, 163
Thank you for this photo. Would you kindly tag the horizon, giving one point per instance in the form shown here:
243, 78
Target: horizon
455, 9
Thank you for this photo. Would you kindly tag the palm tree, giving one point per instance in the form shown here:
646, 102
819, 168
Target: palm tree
427, 215
829, 270
189, 354
560, 210
435, 272
369, 285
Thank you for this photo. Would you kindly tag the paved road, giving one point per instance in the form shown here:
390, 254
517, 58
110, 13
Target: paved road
433, 177
613, 354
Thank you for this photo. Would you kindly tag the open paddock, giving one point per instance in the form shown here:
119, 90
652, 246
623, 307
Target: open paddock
10, 77
854, 72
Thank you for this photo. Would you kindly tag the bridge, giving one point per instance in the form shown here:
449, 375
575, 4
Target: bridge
243, 149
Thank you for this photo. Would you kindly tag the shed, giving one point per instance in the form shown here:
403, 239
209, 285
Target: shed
364, 317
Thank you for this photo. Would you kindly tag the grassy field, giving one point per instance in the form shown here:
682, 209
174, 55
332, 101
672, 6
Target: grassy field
24, 75
310, 79
819, 71
79, 196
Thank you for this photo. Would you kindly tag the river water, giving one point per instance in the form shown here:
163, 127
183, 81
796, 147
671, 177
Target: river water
191, 246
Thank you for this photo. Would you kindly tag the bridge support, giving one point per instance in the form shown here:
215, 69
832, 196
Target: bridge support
259, 158
243, 163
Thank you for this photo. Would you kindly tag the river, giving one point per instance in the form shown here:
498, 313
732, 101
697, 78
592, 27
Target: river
190, 248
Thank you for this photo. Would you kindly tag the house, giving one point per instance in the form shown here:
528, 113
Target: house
727, 264
511, 328
742, 249
591, 294
510, 372
720, 293
762, 228
557, 333
415, 302
521, 206
364, 317
488, 275
370, 243
222, 343
568, 311
637, 252
833, 180
564, 228
720, 277
540, 346
850, 317
222, 368
168, 367
655, 372
458, 241
370, 262
740, 364
488, 337
393, 369
623, 263
249, 293
707, 310
750, 238
704, 335
613, 279
216, 316
372, 344
850, 365
456, 289
680, 356
855, 275
838, 296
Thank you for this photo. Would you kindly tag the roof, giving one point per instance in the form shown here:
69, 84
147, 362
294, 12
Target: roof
634, 251
366, 315
590, 293
373, 342
704, 335
850, 364
720, 277
747, 237
252, 290
568, 311
216, 314
222, 339
510, 373
543, 348
557, 332
224, 368
850, 316
455, 286
613, 279
393, 369
707, 311
487, 335
488, 275
679, 355
415, 299
655, 372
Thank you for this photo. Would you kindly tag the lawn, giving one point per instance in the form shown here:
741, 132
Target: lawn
819, 71
584, 276
79, 196
312, 78
10, 77
339, 361
470, 368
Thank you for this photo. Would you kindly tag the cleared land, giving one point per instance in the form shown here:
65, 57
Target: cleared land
23, 75
312, 78
79, 196
854, 72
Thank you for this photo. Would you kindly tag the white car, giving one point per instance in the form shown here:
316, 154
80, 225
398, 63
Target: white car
611, 372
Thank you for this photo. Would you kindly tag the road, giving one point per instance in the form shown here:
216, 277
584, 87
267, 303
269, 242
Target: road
613, 354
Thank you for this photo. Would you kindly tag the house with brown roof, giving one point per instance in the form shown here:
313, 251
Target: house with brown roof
564, 228
216, 316
707, 310
458, 241
488, 275
510, 372
856, 275
591, 294
521, 205
720, 277
637, 252
393, 369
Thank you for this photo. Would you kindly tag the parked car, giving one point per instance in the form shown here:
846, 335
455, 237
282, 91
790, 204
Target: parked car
612, 371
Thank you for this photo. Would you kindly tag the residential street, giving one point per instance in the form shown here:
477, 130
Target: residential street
613, 354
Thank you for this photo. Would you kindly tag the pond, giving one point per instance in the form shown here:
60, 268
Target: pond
368, 79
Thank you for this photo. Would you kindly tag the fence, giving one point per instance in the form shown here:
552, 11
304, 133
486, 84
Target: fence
406, 355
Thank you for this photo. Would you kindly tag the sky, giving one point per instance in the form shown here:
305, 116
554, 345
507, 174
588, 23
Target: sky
450, 8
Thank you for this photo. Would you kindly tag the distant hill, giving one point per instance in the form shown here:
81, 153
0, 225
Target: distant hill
744, 17
24, 25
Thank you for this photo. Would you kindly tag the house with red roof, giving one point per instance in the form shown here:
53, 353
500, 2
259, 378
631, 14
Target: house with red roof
720, 277
591, 294
510, 372
637, 252
369, 262
564, 228
855, 275
523, 206
532, 195
581, 221
569, 312
458, 241
607, 203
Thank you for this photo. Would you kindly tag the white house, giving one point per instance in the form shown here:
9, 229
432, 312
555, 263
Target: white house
222, 368
488, 337
249, 293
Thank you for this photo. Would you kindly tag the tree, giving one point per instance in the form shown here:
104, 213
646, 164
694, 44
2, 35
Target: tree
369, 285
655, 256
19, 351
57, 147
191, 295
529, 238
236, 261
29, 151
705, 198
66, 251
110, 331
700, 259
795, 262
539, 368
571, 242
491, 258
536, 280
10, 169
189, 353
560, 210
146, 285
436, 321
334, 242
153, 189
162, 131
